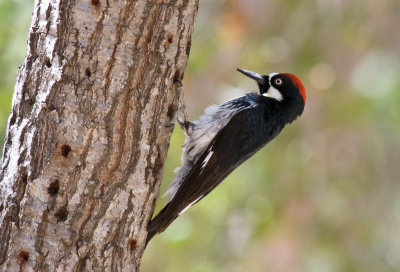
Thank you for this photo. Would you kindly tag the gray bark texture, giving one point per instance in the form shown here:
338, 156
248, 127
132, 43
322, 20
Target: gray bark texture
89, 132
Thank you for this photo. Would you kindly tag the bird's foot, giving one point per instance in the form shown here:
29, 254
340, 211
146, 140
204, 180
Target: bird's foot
184, 124
180, 114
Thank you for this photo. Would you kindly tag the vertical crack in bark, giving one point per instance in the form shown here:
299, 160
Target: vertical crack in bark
121, 28
40, 237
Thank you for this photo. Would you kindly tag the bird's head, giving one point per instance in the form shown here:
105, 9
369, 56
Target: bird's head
279, 86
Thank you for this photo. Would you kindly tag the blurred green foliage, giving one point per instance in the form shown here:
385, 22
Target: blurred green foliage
15, 18
324, 195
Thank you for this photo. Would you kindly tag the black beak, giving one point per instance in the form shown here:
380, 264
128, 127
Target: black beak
258, 78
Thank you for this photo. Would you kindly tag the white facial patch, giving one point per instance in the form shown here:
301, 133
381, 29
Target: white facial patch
272, 91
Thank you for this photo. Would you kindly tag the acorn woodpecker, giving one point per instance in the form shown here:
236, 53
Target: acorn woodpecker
227, 135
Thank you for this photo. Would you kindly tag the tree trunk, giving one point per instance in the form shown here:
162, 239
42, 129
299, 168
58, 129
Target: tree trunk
89, 131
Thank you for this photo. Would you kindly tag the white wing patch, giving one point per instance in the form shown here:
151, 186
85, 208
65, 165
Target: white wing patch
200, 134
204, 163
188, 206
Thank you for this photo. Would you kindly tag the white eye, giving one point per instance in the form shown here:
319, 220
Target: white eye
278, 81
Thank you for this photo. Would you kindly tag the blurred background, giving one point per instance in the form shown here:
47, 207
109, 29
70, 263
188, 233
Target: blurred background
325, 195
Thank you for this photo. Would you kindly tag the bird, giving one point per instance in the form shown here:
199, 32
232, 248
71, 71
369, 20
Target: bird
226, 136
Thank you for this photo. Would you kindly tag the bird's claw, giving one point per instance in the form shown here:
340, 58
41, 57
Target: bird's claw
184, 124
180, 108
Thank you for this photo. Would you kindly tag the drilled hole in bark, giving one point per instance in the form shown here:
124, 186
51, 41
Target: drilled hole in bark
54, 187
65, 149
132, 244
23, 255
170, 38
48, 63
87, 72
61, 214
95, 2
1, 207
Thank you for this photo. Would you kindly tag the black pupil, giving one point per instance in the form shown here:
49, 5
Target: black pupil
278, 81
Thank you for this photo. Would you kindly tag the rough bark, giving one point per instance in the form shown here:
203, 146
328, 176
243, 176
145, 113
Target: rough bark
88, 132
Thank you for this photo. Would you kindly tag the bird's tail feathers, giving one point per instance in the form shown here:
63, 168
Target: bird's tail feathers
154, 225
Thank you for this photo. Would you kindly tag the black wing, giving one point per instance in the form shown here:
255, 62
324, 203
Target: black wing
234, 144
